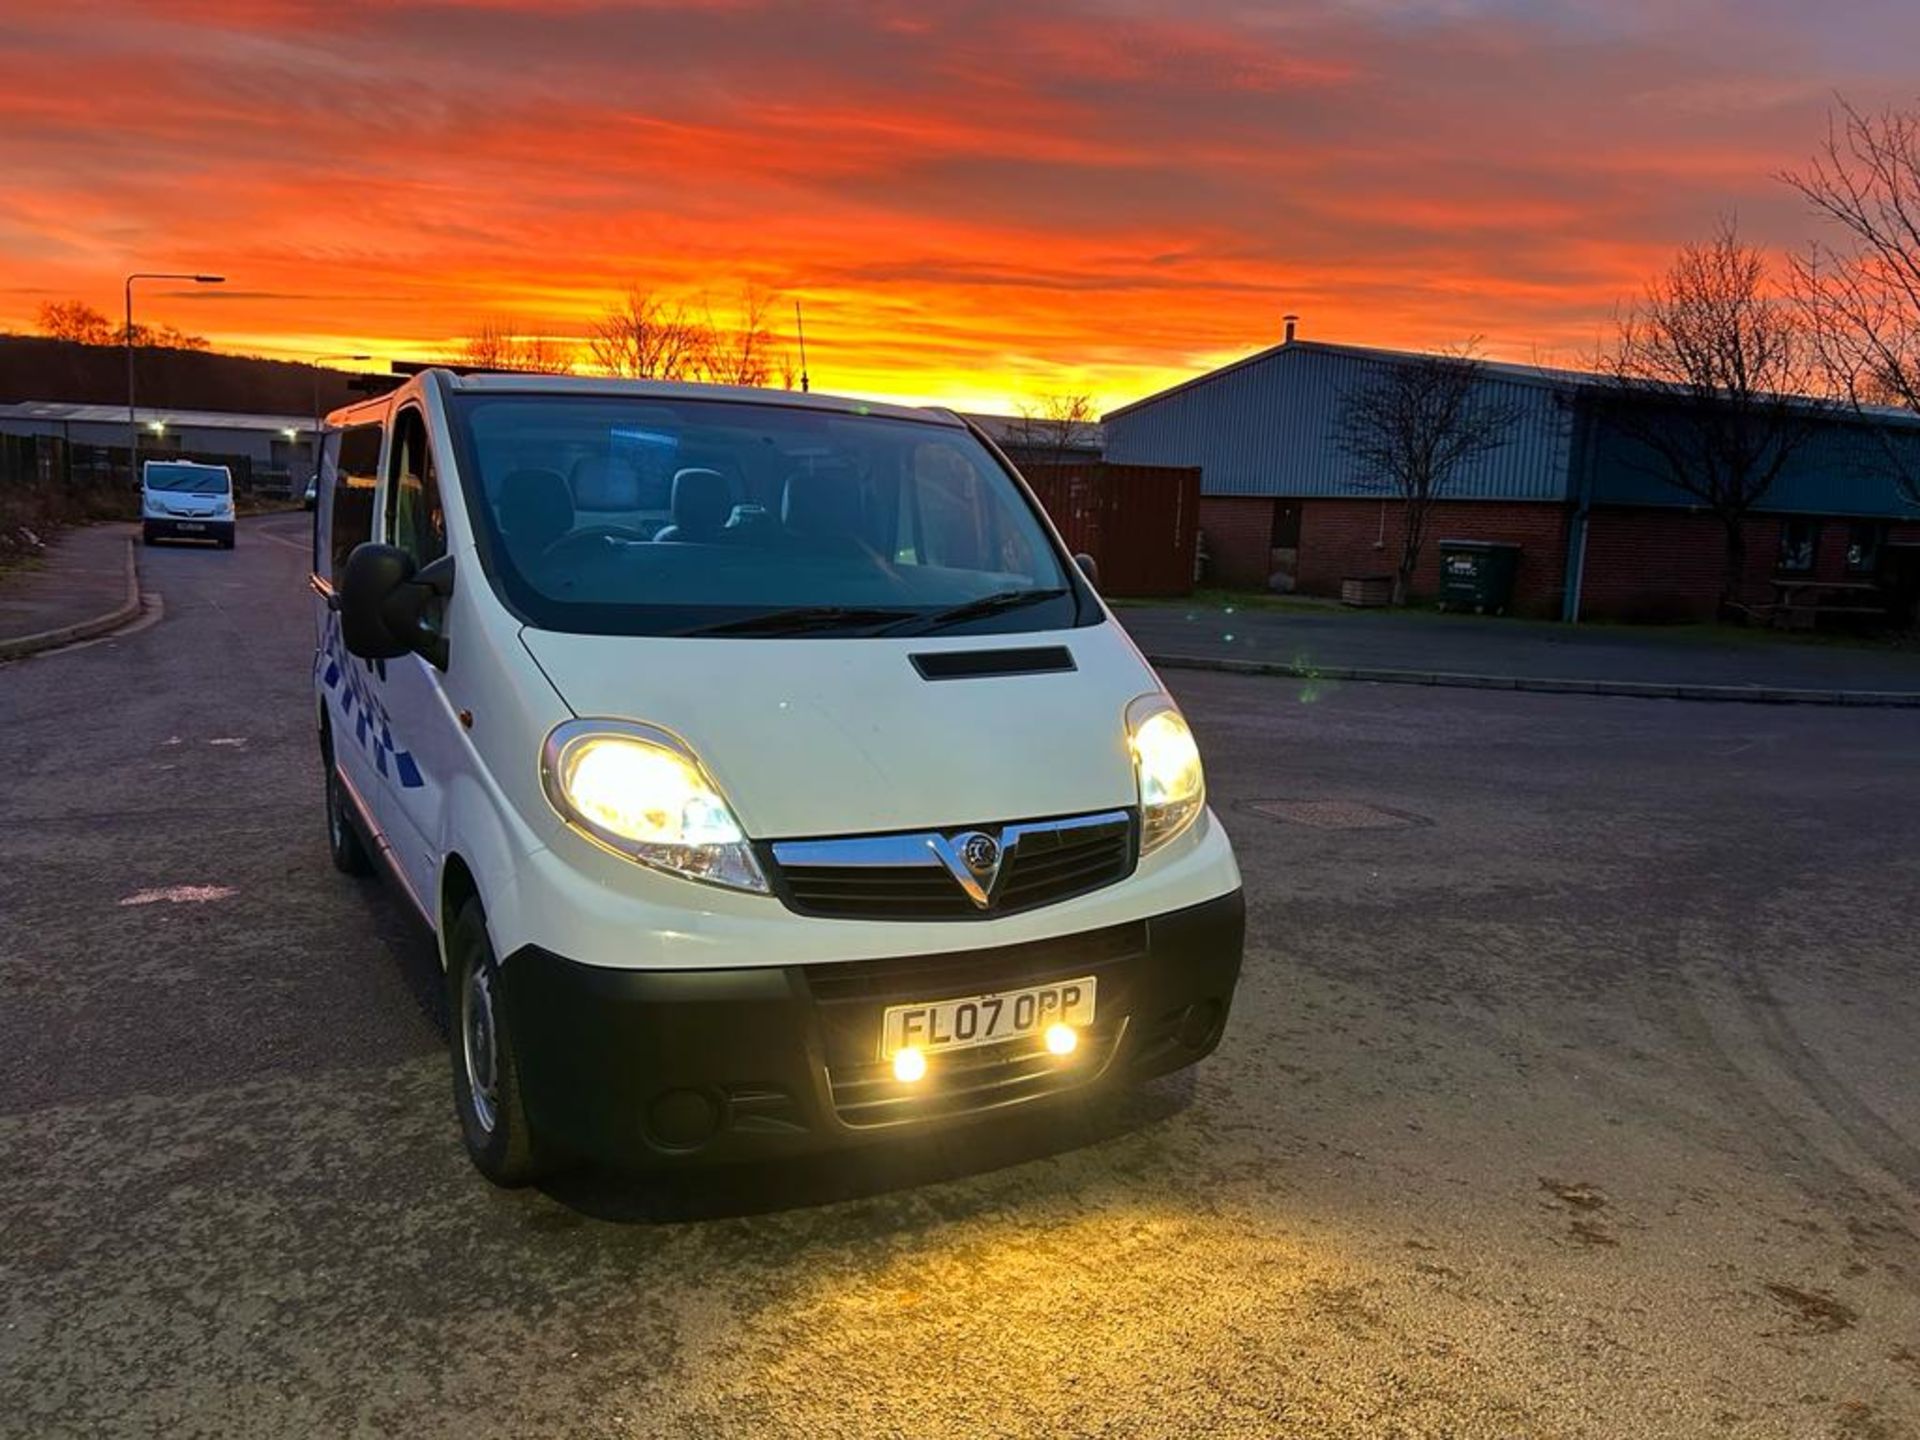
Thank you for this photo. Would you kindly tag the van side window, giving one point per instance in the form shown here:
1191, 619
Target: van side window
415, 521
325, 468
357, 476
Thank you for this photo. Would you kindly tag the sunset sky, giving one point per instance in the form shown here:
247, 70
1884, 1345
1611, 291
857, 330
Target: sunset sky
979, 201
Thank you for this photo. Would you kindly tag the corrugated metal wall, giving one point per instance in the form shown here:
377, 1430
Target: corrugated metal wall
1267, 428
1846, 468
1139, 522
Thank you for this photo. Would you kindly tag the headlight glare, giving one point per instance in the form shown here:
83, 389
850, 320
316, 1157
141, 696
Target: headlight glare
1166, 763
641, 793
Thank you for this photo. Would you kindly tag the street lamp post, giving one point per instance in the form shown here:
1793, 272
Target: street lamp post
133, 424
318, 419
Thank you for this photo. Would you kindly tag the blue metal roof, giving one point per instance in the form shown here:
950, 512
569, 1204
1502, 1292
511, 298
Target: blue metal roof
1266, 426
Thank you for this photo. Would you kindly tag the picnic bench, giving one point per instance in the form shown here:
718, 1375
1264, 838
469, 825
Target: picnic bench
1801, 602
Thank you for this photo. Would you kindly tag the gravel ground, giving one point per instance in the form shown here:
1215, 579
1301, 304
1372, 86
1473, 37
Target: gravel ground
1570, 1092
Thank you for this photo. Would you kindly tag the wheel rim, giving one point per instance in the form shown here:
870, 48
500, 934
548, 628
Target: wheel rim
478, 1046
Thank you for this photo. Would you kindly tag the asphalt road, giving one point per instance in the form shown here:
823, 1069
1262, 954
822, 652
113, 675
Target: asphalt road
1571, 1092
1530, 649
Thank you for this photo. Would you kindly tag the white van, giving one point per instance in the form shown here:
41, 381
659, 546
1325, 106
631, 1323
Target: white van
181, 499
771, 776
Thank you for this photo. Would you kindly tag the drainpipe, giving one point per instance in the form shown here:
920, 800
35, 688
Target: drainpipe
1584, 463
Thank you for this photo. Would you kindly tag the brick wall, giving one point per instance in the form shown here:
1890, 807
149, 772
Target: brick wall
1339, 538
1642, 564
1238, 532
1665, 565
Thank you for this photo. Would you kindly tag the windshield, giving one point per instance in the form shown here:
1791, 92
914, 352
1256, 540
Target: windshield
646, 516
189, 479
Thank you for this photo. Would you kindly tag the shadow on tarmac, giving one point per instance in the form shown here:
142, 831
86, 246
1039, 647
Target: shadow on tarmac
739, 1190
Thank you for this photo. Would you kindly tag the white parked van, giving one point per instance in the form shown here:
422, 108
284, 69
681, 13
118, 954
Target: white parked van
771, 776
180, 499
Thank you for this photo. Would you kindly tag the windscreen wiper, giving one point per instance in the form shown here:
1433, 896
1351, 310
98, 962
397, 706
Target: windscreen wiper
972, 610
801, 618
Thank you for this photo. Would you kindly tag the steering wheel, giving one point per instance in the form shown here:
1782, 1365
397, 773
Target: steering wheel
594, 533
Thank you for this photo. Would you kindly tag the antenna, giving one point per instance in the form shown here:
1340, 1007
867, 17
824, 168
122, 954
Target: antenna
800, 324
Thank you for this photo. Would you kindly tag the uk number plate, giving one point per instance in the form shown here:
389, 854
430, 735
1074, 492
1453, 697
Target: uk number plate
987, 1019
185, 526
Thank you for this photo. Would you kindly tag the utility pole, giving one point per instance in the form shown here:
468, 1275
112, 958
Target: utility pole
800, 325
133, 425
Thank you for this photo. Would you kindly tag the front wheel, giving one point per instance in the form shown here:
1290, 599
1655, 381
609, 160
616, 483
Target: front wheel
486, 1070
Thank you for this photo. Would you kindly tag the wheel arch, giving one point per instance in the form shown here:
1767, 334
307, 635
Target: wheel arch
481, 849
457, 887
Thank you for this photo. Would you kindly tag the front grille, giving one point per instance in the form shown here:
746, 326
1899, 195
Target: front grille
903, 892
961, 1082
902, 877
850, 998
1059, 864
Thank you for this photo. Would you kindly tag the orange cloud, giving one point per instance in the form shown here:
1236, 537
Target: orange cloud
978, 201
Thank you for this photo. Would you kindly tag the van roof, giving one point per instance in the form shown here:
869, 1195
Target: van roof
503, 383
506, 382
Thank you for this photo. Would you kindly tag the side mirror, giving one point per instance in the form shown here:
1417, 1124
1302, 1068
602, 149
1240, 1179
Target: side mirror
1089, 567
387, 609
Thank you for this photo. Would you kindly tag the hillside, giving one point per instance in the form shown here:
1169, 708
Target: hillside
33, 367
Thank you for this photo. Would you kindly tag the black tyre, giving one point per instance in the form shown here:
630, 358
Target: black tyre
147, 535
486, 1070
344, 844
226, 542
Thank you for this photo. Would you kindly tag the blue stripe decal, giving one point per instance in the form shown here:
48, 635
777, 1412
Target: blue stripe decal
360, 704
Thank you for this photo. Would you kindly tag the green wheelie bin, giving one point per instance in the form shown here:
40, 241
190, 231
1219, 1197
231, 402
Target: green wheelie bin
1477, 575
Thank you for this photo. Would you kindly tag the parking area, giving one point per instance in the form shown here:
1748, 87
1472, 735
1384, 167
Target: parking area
1569, 1092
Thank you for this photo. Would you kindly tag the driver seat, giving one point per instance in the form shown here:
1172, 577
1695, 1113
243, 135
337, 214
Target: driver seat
536, 509
702, 501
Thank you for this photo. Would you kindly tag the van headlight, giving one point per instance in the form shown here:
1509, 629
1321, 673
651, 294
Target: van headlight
641, 793
1166, 763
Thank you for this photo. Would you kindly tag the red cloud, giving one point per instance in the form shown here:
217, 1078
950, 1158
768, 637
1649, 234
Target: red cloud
978, 200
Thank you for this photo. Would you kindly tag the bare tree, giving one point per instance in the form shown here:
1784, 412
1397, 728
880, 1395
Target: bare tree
1861, 294
79, 322
1415, 427
647, 338
497, 344
745, 353
1057, 427
1710, 380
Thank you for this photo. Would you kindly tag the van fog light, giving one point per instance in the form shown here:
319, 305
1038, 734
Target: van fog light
909, 1064
1062, 1039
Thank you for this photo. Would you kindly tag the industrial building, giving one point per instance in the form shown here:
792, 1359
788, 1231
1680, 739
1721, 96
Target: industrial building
272, 453
1601, 535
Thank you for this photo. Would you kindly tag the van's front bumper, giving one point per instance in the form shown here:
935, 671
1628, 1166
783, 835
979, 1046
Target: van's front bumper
173, 527
656, 1067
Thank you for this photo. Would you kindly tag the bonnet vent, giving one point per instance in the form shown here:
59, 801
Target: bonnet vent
982, 664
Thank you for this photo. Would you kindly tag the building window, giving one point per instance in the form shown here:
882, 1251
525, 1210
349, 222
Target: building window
1799, 543
1864, 538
